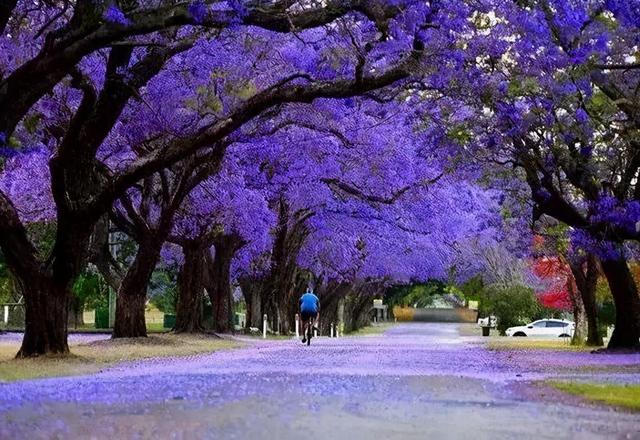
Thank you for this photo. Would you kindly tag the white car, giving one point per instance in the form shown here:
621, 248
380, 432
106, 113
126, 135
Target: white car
546, 328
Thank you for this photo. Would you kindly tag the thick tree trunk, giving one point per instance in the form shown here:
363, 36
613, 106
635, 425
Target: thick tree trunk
191, 289
46, 311
278, 295
132, 296
625, 297
256, 309
330, 295
588, 292
45, 286
251, 289
219, 282
357, 305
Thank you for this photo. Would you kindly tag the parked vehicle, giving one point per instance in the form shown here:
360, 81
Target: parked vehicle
544, 328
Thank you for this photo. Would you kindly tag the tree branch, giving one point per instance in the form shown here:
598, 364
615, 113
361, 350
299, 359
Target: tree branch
6, 10
254, 106
14, 241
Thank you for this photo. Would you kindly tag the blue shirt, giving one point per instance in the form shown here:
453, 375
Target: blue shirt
309, 303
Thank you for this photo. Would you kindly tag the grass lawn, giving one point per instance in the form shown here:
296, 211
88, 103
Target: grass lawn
626, 396
94, 356
270, 336
507, 343
372, 329
90, 328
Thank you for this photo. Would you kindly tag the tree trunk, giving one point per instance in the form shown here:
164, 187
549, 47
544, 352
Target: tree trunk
588, 292
251, 288
46, 311
76, 309
625, 297
580, 320
132, 295
191, 288
356, 308
278, 295
219, 281
256, 309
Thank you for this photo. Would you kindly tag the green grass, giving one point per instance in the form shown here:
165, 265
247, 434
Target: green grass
95, 356
625, 396
557, 344
157, 328
90, 328
269, 336
371, 330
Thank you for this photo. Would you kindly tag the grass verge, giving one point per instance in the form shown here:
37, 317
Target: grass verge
372, 329
625, 396
556, 344
92, 357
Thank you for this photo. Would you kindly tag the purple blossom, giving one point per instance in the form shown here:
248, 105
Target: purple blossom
608, 209
586, 150
605, 250
239, 7
581, 116
114, 15
627, 11
8, 153
198, 11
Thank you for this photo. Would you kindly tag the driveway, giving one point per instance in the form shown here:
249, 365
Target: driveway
415, 381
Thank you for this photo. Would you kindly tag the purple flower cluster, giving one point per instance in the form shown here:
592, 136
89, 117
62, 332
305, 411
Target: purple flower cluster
114, 15
626, 10
606, 250
239, 8
608, 209
198, 11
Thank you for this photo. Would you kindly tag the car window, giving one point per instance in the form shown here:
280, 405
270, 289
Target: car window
556, 324
540, 324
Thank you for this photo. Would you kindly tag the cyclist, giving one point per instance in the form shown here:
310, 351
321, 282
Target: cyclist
309, 308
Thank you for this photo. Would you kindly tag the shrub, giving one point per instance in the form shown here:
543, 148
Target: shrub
512, 305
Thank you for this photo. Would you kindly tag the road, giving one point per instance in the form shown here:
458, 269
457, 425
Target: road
416, 381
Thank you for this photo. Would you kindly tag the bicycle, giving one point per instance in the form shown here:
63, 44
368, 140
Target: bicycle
309, 331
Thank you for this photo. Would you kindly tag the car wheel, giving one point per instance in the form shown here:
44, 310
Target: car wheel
519, 334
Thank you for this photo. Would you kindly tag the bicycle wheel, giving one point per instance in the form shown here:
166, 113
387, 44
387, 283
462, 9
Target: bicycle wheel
309, 333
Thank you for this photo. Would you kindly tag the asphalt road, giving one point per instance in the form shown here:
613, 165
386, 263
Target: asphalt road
416, 381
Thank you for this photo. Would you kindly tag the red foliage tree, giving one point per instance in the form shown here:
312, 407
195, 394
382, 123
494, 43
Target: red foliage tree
559, 283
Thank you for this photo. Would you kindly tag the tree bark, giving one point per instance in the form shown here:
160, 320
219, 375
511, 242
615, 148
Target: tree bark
251, 289
586, 275
579, 319
132, 295
76, 311
594, 338
219, 281
46, 311
625, 297
278, 295
191, 289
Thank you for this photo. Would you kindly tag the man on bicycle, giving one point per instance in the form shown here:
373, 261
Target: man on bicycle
309, 308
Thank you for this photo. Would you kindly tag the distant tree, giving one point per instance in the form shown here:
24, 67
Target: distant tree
512, 305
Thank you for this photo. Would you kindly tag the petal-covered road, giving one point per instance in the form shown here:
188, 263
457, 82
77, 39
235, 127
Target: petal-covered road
415, 381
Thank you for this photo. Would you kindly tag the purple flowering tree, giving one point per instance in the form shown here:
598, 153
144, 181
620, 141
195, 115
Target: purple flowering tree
558, 84
99, 60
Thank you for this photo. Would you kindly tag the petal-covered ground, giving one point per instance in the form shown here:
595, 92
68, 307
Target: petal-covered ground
414, 381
